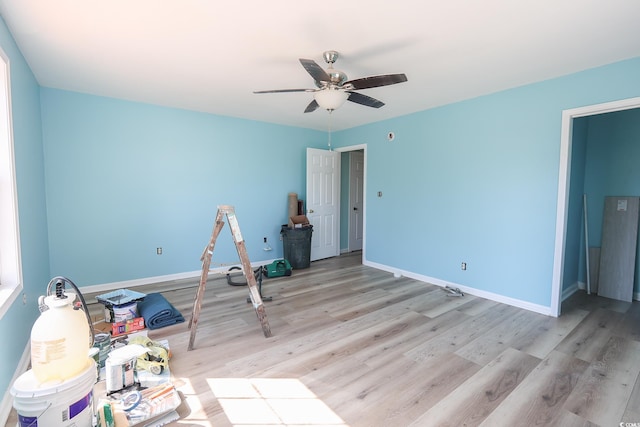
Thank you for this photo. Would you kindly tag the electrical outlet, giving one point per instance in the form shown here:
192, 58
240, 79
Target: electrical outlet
24, 299
463, 266
159, 251
266, 246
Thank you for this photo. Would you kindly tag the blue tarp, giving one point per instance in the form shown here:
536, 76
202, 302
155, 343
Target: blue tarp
158, 312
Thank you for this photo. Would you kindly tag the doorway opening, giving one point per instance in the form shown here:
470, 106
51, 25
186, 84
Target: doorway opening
353, 199
564, 187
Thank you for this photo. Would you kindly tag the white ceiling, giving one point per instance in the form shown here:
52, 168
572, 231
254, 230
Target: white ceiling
208, 55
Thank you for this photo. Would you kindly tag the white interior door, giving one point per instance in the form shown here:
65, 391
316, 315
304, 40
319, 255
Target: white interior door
356, 193
323, 202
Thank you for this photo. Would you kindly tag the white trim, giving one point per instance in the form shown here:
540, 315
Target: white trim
471, 291
563, 185
351, 236
362, 147
10, 259
126, 284
566, 293
7, 400
8, 294
583, 287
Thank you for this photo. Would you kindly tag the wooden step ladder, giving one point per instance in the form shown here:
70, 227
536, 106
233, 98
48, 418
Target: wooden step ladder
254, 293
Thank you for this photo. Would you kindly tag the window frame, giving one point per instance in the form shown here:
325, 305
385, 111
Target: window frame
10, 254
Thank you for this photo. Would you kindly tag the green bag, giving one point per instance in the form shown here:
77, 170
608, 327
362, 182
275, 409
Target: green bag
277, 268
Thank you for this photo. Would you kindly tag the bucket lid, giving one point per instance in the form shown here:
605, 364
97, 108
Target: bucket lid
28, 386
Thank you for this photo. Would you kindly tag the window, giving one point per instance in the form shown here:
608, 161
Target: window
10, 265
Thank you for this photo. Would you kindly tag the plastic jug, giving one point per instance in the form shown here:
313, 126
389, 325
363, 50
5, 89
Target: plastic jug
60, 339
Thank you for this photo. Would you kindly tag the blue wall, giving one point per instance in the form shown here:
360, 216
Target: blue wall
477, 181
124, 178
15, 325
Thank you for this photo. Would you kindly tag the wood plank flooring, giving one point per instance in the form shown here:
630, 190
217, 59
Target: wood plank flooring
354, 346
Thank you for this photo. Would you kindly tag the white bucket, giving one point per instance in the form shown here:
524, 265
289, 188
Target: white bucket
125, 312
65, 404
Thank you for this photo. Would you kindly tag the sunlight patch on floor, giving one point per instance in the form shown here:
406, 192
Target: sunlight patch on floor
197, 415
271, 402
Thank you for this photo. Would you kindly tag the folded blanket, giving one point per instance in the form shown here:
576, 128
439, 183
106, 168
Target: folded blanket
158, 312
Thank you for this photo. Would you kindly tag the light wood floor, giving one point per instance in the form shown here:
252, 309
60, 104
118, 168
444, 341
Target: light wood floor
353, 346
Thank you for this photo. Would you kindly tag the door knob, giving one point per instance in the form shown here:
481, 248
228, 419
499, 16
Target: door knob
310, 210
355, 208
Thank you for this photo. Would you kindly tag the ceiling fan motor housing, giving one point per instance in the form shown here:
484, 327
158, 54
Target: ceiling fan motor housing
337, 76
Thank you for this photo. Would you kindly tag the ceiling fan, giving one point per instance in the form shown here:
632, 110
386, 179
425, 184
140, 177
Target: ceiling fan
333, 88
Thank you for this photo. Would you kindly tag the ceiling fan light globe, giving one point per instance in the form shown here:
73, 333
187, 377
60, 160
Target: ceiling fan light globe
330, 99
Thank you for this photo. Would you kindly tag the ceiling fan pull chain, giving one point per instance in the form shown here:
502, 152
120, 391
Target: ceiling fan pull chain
329, 142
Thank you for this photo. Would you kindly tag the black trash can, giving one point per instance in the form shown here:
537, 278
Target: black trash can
297, 245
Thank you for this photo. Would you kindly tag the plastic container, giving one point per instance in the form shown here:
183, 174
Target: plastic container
120, 305
103, 343
65, 404
297, 245
120, 366
60, 340
122, 313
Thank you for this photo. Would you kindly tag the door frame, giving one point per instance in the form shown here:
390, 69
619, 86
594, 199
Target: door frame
347, 149
564, 174
350, 228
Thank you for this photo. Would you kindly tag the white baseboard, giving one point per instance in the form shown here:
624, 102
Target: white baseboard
583, 286
471, 291
7, 399
567, 292
106, 287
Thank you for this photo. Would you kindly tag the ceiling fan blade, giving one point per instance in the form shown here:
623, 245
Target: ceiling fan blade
359, 98
284, 90
315, 70
313, 106
375, 81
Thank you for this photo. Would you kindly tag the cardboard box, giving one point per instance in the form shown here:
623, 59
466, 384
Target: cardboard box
120, 328
127, 326
298, 221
